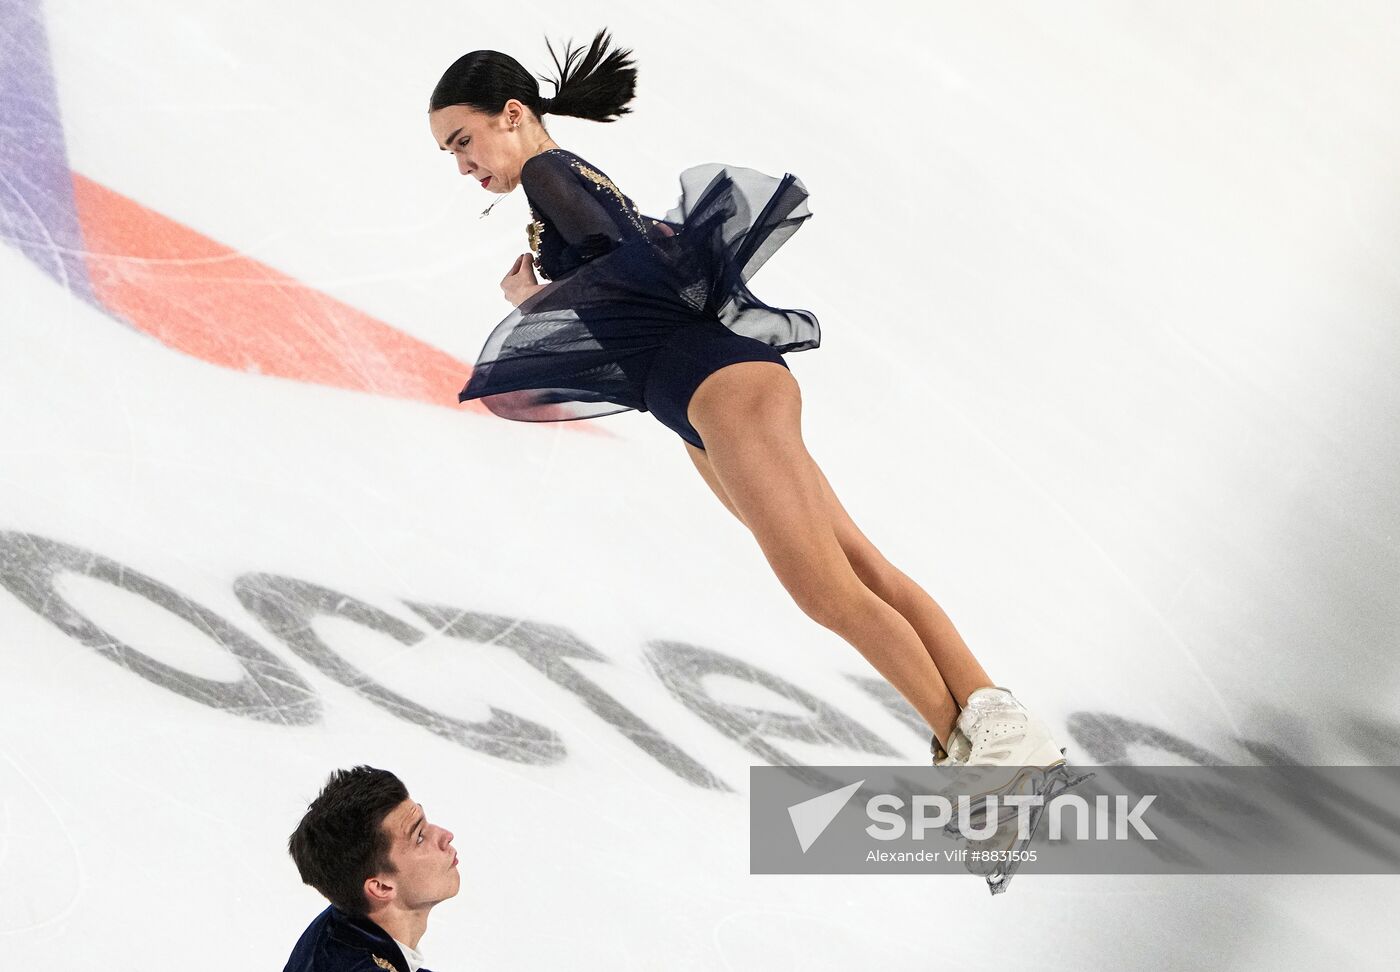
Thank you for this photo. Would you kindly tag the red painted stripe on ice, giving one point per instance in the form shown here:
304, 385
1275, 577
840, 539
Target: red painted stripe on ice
209, 301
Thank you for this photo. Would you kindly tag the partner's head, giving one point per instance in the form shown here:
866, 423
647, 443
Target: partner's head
486, 109
368, 847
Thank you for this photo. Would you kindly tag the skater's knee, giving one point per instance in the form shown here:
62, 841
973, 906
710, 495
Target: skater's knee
836, 606
888, 582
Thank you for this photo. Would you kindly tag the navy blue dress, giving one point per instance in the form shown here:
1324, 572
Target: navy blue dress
633, 318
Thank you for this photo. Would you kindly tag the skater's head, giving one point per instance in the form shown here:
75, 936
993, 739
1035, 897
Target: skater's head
486, 109
369, 848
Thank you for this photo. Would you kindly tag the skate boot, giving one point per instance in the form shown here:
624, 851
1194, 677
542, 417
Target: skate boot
1011, 752
1003, 735
1005, 745
959, 747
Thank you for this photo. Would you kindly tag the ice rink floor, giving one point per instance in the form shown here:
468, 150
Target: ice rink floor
1111, 322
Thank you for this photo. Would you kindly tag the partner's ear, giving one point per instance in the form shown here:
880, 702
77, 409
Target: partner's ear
379, 891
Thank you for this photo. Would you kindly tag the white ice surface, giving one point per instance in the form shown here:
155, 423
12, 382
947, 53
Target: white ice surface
1110, 304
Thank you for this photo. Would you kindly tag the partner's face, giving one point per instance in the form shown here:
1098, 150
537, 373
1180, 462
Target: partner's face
423, 855
486, 147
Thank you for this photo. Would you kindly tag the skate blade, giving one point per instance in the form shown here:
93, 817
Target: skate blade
1047, 782
1028, 780
1000, 877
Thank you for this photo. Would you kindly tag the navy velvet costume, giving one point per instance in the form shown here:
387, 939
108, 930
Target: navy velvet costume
339, 942
633, 318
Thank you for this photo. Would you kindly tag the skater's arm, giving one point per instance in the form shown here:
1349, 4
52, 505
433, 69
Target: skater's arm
559, 196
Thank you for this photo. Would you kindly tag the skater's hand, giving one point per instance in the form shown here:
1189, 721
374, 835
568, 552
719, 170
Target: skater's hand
663, 228
520, 283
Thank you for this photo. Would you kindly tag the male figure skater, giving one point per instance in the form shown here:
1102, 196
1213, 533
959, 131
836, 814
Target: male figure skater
370, 850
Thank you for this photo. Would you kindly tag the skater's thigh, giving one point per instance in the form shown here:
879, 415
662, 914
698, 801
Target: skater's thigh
702, 465
869, 564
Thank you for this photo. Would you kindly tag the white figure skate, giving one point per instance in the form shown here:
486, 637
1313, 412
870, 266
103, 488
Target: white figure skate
1003, 733
1008, 751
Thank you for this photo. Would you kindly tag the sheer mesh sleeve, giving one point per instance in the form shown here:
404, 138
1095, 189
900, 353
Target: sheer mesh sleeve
559, 196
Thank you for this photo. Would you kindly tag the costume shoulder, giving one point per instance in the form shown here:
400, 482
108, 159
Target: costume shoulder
556, 190
335, 942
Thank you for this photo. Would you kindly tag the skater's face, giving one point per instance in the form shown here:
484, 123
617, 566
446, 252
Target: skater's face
424, 860
486, 146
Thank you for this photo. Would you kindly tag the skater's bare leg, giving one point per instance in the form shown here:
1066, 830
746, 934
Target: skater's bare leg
960, 670
749, 416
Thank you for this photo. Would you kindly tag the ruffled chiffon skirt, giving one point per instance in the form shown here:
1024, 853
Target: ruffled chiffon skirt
582, 346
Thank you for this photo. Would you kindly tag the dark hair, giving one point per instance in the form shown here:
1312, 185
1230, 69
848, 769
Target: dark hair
340, 842
599, 88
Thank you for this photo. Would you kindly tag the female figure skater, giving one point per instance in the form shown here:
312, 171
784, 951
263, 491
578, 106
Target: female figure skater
655, 315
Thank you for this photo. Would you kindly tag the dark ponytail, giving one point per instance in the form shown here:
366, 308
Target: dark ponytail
598, 88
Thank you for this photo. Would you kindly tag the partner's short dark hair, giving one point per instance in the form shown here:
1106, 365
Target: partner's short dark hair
340, 842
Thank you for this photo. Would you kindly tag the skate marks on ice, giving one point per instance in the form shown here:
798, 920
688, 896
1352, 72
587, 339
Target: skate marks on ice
270, 689
35, 843
165, 279
270, 686
31, 567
